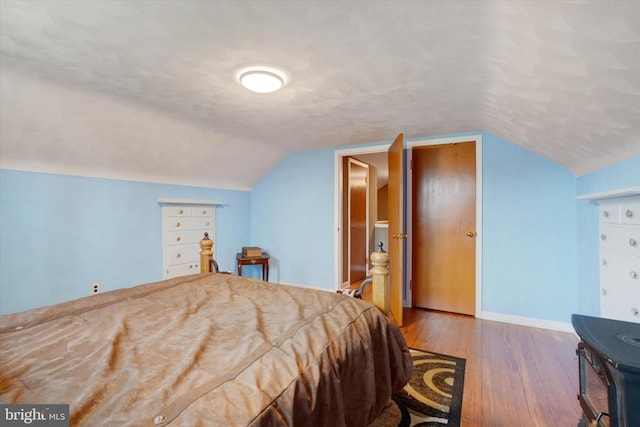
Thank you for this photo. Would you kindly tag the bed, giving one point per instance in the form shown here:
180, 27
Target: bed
206, 350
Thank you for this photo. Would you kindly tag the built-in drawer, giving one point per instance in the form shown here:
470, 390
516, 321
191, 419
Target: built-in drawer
180, 254
182, 269
178, 211
182, 237
202, 211
615, 304
619, 269
619, 285
620, 238
628, 313
610, 213
630, 213
190, 211
190, 223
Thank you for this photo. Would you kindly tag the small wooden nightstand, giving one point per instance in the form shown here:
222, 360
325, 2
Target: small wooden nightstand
254, 260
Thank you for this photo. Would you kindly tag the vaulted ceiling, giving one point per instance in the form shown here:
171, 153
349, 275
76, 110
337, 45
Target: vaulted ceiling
147, 90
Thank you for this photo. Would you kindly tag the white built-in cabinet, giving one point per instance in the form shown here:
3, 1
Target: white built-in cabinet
184, 223
619, 237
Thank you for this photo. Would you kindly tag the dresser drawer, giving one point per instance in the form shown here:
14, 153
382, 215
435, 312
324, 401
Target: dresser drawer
180, 254
178, 211
619, 270
185, 236
610, 213
202, 211
630, 213
620, 238
190, 223
627, 313
182, 270
616, 303
619, 285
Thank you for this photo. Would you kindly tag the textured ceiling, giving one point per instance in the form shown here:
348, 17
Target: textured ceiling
145, 89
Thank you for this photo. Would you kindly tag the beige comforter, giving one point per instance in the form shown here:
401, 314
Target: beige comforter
206, 350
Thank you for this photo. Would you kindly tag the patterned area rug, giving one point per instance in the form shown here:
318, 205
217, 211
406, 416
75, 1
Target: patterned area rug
433, 397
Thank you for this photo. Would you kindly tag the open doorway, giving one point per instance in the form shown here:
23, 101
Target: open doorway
394, 233
359, 234
356, 215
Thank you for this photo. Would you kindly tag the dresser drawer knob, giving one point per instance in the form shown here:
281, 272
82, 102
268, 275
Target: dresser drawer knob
635, 312
178, 239
178, 255
206, 224
629, 213
633, 243
604, 292
204, 212
180, 211
633, 274
604, 262
605, 214
177, 224
603, 236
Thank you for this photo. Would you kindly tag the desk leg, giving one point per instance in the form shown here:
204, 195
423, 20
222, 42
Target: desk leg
239, 269
267, 266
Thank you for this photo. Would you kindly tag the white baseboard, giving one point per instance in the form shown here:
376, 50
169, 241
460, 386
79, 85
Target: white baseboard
527, 321
486, 315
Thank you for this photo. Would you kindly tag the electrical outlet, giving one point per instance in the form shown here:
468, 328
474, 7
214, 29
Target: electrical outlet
95, 288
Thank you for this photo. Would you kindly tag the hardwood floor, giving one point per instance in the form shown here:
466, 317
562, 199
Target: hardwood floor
515, 375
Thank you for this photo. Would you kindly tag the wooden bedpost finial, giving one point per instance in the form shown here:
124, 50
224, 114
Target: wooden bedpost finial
380, 278
206, 253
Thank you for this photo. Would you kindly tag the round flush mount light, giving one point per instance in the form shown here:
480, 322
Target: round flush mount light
261, 79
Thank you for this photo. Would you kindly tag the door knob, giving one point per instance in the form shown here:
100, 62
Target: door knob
471, 233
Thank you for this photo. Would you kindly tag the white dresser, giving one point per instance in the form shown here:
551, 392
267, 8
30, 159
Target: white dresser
184, 223
620, 258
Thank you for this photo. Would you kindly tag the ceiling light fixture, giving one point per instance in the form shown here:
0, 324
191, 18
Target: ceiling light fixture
261, 80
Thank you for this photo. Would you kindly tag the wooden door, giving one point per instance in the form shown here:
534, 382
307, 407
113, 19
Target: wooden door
396, 227
444, 227
358, 224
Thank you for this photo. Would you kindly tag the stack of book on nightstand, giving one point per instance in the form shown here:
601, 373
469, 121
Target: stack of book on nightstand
251, 251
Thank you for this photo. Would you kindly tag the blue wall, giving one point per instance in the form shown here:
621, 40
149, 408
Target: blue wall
621, 175
62, 233
529, 233
292, 219
540, 255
